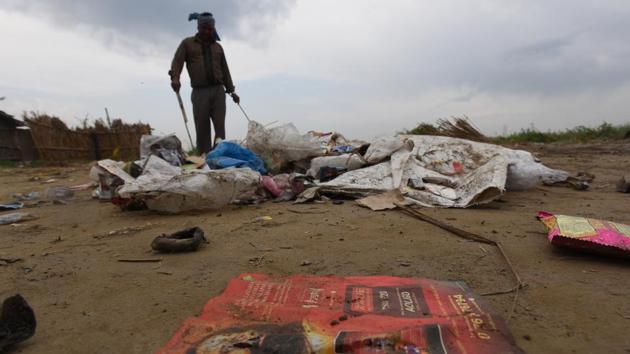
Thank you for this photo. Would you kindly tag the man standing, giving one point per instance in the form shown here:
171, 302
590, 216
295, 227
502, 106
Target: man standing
209, 77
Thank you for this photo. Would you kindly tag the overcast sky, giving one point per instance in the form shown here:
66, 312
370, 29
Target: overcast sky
362, 67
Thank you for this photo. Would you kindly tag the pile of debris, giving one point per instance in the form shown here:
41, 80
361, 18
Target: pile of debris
281, 164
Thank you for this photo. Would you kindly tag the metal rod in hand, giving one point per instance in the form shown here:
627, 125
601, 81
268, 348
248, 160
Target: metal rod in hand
181, 106
242, 110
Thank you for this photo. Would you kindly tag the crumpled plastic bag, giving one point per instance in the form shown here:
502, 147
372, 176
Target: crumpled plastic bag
168, 147
281, 145
586, 234
229, 154
528, 174
382, 148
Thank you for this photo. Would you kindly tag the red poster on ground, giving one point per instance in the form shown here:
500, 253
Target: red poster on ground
310, 314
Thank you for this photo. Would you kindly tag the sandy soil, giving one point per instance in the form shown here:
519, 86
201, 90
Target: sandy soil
87, 301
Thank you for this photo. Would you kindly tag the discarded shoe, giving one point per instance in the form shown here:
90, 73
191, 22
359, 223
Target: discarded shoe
17, 321
187, 240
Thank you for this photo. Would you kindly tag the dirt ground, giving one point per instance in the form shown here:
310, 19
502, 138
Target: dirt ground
87, 301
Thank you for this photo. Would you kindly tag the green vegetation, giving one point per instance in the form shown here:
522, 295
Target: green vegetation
579, 134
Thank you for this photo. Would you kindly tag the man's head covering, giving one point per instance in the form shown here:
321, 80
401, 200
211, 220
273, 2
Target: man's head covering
204, 18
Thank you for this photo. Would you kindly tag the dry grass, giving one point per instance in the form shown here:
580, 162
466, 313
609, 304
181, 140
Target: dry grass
55, 141
457, 128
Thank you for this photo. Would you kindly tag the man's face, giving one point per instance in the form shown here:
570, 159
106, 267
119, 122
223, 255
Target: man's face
206, 31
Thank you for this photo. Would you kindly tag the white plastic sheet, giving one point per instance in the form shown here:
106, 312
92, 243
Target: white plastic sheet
382, 148
448, 172
196, 190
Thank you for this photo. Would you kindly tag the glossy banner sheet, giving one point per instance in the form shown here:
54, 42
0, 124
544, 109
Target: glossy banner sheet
310, 314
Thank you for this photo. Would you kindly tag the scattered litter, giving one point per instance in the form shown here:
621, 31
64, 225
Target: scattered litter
124, 231
257, 261
59, 193
48, 181
9, 260
312, 211
13, 218
11, 206
262, 219
623, 185
586, 234
311, 314
17, 321
383, 201
581, 181
109, 175
20, 197
306, 263
146, 260
187, 240
84, 186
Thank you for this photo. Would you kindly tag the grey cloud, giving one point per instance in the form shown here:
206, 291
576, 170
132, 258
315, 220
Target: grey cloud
151, 21
546, 48
543, 57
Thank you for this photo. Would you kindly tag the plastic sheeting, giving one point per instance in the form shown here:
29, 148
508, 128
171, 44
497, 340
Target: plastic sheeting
446, 172
382, 148
164, 188
281, 145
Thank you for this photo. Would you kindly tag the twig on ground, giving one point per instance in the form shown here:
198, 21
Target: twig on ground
306, 211
477, 238
147, 260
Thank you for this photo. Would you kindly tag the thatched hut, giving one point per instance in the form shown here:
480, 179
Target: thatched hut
16, 142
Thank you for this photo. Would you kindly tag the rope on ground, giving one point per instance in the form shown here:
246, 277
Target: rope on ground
477, 238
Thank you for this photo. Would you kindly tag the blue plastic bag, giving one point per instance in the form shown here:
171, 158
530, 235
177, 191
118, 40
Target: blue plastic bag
229, 154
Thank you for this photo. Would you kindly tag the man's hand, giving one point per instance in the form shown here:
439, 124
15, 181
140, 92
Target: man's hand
235, 98
176, 85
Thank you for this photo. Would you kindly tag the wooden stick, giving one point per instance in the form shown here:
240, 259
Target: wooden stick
477, 238
148, 260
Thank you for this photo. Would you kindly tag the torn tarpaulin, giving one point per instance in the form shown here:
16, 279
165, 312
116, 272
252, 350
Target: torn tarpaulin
445, 172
